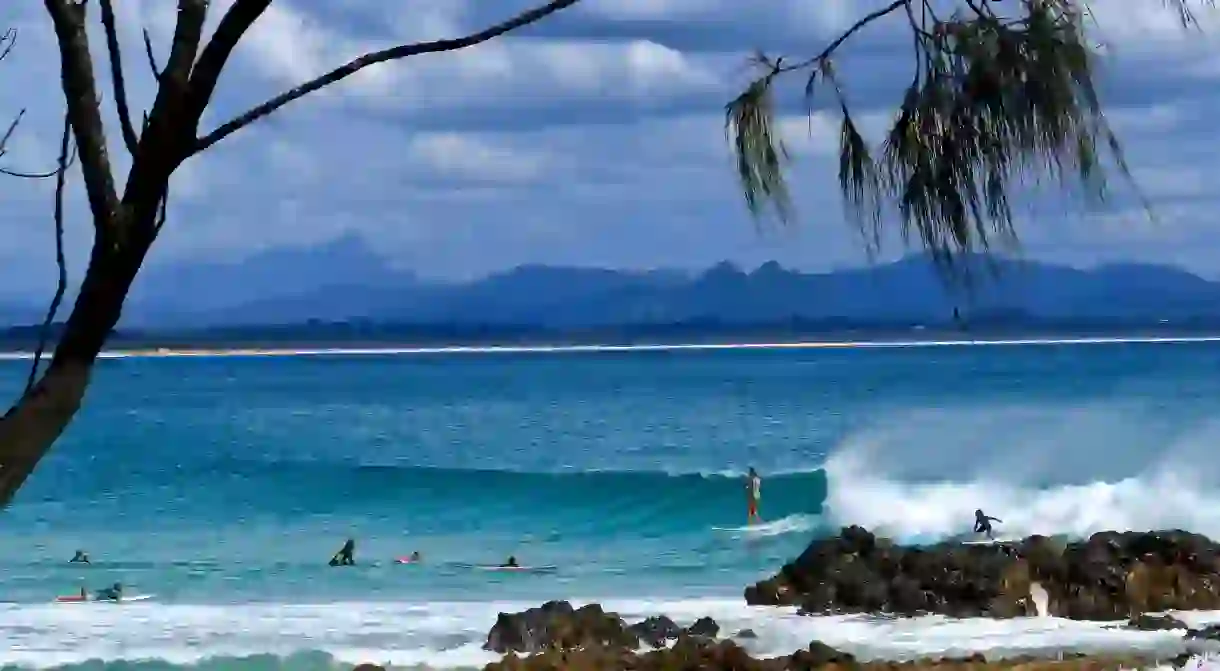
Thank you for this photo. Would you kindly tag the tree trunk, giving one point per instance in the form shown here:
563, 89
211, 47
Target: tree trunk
39, 417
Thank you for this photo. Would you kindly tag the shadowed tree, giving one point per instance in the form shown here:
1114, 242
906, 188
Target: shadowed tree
129, 210
1000, 90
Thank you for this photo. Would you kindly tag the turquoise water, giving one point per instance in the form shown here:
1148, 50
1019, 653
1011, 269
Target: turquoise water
222, 485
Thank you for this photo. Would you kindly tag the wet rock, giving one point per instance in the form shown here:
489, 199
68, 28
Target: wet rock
656, 631
746, 634
1209, 633
1109, 576
1155, 623
369, 667
705, 627
555, 625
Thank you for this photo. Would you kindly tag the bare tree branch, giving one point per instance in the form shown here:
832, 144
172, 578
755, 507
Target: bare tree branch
116, 75
354, 66
84, 106
233, 25
152, 60
39, 175
61, 285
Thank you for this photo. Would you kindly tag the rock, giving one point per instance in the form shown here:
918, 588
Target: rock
555, 625
1155, 623
1109, 576
704, 627
656, 631
691, 653
746, 634
369, 667
1209, 633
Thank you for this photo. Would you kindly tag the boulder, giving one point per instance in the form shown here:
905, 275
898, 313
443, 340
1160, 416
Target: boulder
1109, 576
556, 625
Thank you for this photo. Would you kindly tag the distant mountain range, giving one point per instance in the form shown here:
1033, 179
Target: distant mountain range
346, 281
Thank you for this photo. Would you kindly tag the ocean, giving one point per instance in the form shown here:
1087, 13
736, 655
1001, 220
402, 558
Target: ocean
222, 485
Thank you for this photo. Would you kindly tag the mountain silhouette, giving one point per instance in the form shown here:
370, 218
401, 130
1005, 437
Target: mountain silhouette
344, 280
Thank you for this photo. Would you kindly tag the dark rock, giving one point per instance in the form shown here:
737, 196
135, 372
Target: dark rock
656, 631
1155, 623
705, 627
1209, 633
745, 634
1109, 576
369, 667
556, 625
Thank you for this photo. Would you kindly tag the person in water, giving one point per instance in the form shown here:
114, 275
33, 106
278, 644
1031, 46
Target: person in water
416, 557
754, 493
511, 563
982, 523
112, 593
346, 554
81, 557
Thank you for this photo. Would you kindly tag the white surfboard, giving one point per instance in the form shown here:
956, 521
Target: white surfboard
125, 599
520, 569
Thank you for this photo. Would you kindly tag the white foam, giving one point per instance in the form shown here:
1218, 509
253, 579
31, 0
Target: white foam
450, 635
868, 485
796, 523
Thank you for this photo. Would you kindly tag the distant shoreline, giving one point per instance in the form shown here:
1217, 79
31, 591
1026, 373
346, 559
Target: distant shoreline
392, 350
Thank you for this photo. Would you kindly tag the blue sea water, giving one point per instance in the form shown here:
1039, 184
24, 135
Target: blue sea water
221, 486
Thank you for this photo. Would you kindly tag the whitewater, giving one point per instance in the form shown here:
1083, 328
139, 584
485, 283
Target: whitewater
221, 485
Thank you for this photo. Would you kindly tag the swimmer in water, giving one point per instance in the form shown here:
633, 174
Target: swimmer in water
112, 593
982, 523
754, 493
346, 556
511, 563
81, 557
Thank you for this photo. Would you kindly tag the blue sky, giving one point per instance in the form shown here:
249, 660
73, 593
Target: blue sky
594, 139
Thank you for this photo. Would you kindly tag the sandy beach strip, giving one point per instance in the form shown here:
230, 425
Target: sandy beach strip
389, 350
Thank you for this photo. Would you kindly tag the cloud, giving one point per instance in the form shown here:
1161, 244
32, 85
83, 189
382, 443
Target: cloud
594, 138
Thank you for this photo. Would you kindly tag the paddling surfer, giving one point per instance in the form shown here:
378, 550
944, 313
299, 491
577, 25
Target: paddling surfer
982, 523
754, 493
81, 557
112, 593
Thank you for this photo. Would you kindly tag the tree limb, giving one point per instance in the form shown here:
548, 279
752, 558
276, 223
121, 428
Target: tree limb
233, 25
152, 60
116, 75
61, 284
354, 66
84, 107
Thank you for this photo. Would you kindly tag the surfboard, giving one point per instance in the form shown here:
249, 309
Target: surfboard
991, 541
405, 560
75, 598
520, 569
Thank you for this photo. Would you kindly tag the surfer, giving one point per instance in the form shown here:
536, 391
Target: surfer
754, 492
511, 563
415, 557
112, 593
346, 554
81, 557
982, 523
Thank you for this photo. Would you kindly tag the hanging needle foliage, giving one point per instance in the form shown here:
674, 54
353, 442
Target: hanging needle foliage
1001, 90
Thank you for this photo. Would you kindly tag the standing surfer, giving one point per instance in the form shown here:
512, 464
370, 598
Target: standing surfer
754, 492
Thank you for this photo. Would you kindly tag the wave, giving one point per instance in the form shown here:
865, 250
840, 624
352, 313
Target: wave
1044, 487
447, 635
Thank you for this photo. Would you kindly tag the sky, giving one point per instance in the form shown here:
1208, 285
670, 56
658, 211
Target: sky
594, 138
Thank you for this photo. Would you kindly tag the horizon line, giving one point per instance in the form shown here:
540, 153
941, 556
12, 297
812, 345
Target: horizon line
575, 349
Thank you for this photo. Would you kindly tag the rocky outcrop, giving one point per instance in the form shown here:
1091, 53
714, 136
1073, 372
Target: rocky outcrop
557, 625
696, 654
1110, 576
